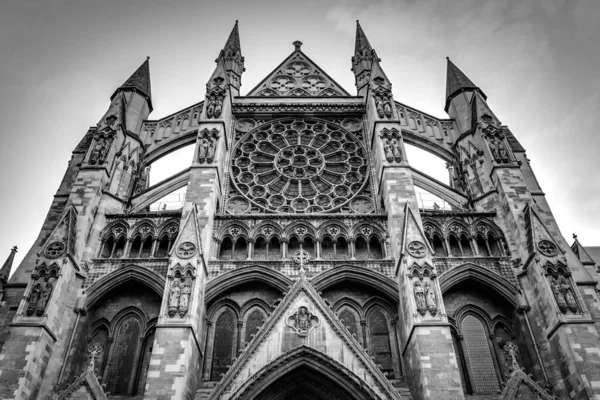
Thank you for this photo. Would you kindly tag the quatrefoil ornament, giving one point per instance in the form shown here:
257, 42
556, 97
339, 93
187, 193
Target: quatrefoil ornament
417, 249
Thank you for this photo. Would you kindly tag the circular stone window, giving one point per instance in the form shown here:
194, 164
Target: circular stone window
299, 166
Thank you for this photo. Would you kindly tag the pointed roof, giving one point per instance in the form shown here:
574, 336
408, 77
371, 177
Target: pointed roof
362, 43
298, 76
327, 338
5, 270
457, 81
233, 42
139, 81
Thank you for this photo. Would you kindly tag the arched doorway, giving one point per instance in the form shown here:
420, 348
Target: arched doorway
305, 374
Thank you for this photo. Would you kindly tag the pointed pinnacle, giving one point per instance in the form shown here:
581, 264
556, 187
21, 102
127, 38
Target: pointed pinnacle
139, 81
362, 43
234, 38
5, 270
456, 80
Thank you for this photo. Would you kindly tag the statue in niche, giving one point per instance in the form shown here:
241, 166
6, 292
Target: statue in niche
430, 299
502, 152
100, 150
494, 150
568, 293
420, 298
389, 154
203, 151
45, 296
558, 294
396, 150
184, 299
215, 103
210, 154
174, 296
511, 350
34, 297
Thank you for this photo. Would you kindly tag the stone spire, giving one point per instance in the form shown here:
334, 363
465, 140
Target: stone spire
457, 82
139, 82
5, 270
364, 60
362, 43
230, 59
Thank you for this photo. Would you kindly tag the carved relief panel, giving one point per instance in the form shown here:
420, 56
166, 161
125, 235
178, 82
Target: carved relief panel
43, 282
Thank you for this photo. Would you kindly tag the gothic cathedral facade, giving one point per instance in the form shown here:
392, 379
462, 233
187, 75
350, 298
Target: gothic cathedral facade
301, 264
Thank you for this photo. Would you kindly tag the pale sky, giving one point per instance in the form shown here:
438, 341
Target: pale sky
537, 61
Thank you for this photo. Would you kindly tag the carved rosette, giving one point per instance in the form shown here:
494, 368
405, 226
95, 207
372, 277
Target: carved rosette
302, 321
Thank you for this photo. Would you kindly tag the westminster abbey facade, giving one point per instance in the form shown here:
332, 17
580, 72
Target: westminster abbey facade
301, 264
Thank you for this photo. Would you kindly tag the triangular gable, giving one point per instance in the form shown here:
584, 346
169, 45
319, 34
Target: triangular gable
537, 232
522, 387
298, 76
412, 232
187, 243
281, 334
481, 113
86, 387
62, 239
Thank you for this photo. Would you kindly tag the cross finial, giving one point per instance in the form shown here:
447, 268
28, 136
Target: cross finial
575, 236
297, 44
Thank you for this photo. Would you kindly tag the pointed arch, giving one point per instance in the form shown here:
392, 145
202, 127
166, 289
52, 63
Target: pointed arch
302, 363
123, 275
252, 273
482, 275
377, 281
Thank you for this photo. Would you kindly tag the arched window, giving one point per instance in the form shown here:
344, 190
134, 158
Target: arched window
293, 246
350, 321
260, 249
327, 252
274, 249
145, 363
119, 250
341, 249
163, 247
226, 249
122, 365
454, 246
147, 244
462, 369
465, 244
308, 245
101, 338
108, 247
254, 320
222, 345
438, 246
482, 246
379, 342
375, 250
240, 249
362, 251
479, 356
136, 247
494, 248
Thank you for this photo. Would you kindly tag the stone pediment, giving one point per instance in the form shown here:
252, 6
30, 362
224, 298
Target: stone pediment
520, 386
86, 387
298, 76
304, 321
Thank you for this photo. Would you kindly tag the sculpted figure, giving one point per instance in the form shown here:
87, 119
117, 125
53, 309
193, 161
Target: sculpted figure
396, 150
494, 150
420, 298
33, 299
430, 299
210, 154
210, 109
174, 295
184, 299
95, 154
379, 106
568, 293
218, 107
510, 348
502, 152
389, 155
45, 296
203, 150
558, 294
387, 109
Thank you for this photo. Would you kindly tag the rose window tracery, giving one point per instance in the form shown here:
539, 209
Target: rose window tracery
298, 166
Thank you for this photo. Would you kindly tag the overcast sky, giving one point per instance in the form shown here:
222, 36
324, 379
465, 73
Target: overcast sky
537, 60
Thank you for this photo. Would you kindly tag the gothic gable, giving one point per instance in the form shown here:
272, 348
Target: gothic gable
303, 319
298, 76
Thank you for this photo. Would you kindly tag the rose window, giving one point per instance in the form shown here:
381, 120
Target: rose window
299, 166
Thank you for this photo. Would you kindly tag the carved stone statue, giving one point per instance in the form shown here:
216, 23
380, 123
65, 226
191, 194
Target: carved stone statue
387, 109
397, 151
34, 297
494, 150
389, 154
558, 294
45, 296
210, 154
511, 350
184, 299
202, 151
379, 106
502, 152
420, 298
174, 295
95, 353
430, 299
568, 293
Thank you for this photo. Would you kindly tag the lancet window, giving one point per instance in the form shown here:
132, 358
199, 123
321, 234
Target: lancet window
223, 344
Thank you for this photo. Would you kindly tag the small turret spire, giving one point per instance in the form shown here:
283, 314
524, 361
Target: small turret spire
457, 81
362, 43
230, 63
364, 59
139, 81
233, 42
6, 268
